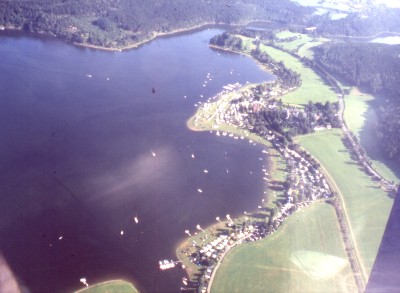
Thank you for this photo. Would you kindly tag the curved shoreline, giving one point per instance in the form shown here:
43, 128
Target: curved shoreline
110, 282
203, 121
155, 35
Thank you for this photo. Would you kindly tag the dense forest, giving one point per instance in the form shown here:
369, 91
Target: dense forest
375, 68
119, 23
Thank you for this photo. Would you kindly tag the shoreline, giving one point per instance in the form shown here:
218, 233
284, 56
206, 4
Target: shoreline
147, 40
201, 122
267, 197
109, 282
155, 35
272, 167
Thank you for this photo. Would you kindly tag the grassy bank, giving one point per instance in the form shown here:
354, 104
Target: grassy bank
115, 286
305, 255
276, 167
361, 118
301, 43
366, 205
313, 88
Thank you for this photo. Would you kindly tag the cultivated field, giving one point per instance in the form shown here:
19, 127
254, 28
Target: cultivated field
306, 254
312, 88
367, 206
361, 118
117, 286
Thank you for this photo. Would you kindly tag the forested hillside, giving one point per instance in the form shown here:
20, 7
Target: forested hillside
376, 68
119, 23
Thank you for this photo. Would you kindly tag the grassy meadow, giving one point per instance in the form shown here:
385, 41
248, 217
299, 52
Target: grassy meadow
366, 205
294, 45
306, 254
313, 88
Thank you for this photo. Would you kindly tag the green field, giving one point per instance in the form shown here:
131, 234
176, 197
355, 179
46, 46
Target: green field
302, 45
286, 34
117, 286
367, 206
294, 45
306, 49
305, 255
361, 118
312, 88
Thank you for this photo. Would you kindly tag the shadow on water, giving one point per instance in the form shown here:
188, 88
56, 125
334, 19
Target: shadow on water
384, 275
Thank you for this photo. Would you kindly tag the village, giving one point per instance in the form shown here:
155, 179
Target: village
250, 111
304, 180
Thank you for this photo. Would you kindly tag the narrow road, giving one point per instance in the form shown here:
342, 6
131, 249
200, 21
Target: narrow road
357, 147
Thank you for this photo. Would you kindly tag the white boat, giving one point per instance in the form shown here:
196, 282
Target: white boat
166, 264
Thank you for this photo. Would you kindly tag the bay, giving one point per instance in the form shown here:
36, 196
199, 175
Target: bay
90, 139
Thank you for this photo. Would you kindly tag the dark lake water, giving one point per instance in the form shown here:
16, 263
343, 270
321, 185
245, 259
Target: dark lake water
76, 158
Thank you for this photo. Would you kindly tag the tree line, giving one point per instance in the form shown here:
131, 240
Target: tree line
374, 68
287, 78
113, 23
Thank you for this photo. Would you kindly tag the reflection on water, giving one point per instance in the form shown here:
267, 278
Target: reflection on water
91, 141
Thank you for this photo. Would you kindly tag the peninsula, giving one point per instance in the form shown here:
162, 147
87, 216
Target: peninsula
296, 133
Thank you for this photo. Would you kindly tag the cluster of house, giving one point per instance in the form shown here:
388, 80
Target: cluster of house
305, 183
207, 254
228, 113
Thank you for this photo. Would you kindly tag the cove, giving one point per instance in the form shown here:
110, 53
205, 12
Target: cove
90, 140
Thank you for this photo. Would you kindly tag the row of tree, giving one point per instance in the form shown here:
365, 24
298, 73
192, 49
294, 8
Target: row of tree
375, 68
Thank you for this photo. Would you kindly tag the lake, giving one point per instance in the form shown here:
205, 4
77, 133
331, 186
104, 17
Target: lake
91, 139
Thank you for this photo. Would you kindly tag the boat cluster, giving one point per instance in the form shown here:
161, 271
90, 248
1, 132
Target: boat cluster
166, 264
